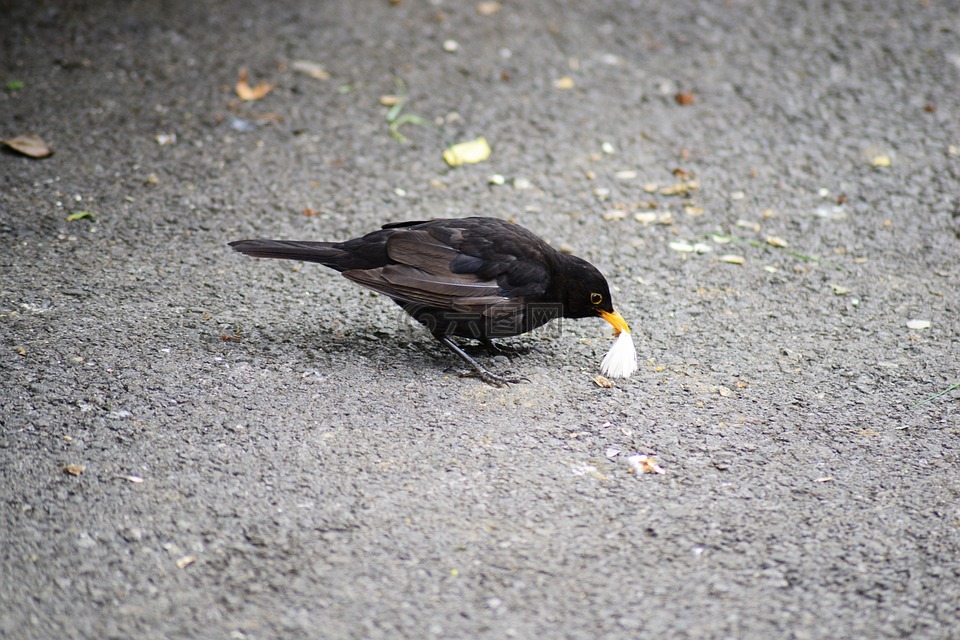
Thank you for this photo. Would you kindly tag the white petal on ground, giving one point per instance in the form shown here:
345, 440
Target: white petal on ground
621, 360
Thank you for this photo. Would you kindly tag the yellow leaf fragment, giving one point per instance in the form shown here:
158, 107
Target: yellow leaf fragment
840, 290
30, 145
566, 82
186, 561
467, 152
602, 382
246, 92
614, 214
776, 241
74, 469
680, 188
312, 69
880, 161
731, 258
646, 217
488, 8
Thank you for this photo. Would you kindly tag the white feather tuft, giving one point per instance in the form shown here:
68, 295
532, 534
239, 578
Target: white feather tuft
621, 360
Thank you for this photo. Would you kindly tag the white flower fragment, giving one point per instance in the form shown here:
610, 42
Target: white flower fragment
621, 360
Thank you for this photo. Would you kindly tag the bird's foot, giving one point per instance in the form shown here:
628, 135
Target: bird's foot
478, 370
495, 379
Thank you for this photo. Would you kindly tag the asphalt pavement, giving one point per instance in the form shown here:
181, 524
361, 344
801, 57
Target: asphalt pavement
195, 444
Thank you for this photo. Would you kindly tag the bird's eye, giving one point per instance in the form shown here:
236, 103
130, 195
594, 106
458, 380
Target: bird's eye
596, 298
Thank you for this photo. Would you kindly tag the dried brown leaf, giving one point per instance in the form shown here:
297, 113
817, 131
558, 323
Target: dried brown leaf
640, 464
29, 144
246, 92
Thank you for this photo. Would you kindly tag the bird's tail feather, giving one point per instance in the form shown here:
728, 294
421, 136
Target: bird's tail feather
326, 253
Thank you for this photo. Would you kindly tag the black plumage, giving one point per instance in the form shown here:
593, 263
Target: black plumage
480, 278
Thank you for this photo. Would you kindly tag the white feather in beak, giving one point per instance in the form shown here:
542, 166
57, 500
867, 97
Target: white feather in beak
621, 360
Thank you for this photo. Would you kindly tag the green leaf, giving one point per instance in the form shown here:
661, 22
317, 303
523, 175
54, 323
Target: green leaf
13, 85
404, 119
79, 215
394, 112
937, 395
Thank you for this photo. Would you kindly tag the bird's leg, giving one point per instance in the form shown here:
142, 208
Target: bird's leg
478, 369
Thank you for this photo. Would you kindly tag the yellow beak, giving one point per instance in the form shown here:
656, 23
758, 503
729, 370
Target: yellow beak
619, 324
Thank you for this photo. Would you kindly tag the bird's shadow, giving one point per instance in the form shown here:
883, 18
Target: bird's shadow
330, 347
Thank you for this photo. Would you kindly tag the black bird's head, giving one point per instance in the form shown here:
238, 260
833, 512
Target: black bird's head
585, 293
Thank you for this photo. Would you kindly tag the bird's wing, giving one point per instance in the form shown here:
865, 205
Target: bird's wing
440, 272
410, 284
419, 248
426, 270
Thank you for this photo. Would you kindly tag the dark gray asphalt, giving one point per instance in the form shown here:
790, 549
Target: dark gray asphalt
268, 452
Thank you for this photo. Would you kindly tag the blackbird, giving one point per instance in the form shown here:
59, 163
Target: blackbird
479, 278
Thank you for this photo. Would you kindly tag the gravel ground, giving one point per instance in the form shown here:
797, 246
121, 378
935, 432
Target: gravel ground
267, 451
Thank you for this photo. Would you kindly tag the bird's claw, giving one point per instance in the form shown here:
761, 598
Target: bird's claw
497, 380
